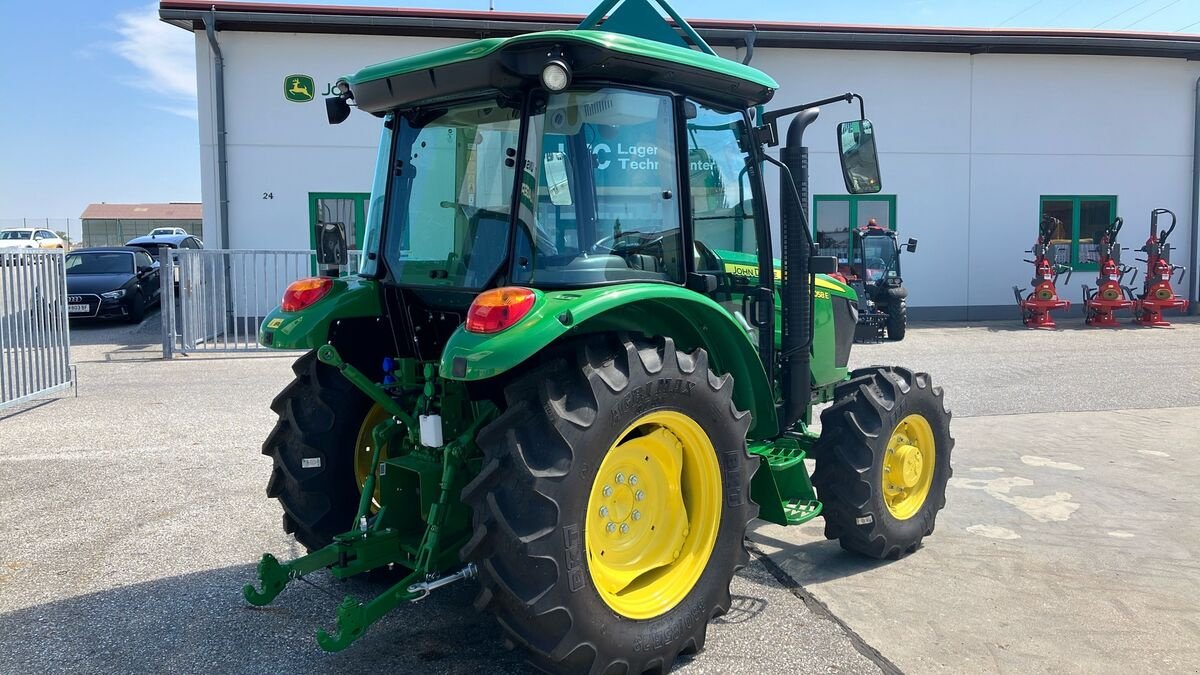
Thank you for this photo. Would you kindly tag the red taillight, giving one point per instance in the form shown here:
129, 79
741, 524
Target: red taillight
499, 308
305, 292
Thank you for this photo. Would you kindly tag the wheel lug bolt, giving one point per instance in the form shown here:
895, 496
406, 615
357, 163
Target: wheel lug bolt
607, 491
611, 527
636, 515
624, 528
639, 495
603, 511
633, 479
620, 478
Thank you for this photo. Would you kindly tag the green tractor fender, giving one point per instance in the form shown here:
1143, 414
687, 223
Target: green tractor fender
690, 319
308, 328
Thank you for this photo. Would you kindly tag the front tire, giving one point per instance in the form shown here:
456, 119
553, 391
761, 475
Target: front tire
883, 460
320, 414
897, 320
137, 308
587, 567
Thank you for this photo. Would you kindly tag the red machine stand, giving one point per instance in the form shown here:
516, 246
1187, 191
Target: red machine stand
1157, 293
1148, 312
1036, 308
1110, 296
1101, 306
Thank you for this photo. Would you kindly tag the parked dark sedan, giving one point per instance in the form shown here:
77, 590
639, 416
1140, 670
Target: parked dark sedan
119, 282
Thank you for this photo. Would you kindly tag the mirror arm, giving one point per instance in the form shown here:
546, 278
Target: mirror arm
770, 118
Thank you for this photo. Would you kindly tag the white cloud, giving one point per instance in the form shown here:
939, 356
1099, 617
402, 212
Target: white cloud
182, 111
164, 54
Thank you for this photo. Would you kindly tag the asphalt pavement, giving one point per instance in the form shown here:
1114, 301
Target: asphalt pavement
132, 515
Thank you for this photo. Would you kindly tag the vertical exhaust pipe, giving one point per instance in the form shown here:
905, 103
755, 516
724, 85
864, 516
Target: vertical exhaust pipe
797, 248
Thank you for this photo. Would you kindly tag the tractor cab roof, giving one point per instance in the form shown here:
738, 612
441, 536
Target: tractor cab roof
627, 46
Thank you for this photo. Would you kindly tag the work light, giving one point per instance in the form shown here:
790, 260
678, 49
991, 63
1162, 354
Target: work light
556, 76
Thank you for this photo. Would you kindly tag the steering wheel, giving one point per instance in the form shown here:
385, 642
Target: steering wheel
610, 244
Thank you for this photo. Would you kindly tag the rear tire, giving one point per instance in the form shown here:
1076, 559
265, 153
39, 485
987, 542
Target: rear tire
544, 456
897, 320
870, 409
320, 414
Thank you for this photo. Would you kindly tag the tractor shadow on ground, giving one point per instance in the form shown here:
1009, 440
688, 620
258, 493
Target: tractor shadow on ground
199, 623
812, 562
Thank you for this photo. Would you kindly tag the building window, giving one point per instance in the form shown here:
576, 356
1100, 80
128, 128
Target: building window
1083, 219
834, 215
333, 215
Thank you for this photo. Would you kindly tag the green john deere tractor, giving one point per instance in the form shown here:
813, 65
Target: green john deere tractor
569, 366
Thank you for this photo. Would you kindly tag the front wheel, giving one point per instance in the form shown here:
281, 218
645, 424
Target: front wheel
610, 511
883, 460
897, 320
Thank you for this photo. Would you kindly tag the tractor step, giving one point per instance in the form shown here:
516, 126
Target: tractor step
799, 511
783, 491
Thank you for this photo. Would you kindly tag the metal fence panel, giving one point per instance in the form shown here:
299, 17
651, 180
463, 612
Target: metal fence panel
215, 299
35, 343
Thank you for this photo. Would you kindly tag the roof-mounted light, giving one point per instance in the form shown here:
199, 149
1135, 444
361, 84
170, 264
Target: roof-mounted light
556, 75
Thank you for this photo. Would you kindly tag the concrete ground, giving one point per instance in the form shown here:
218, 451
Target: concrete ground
132, 515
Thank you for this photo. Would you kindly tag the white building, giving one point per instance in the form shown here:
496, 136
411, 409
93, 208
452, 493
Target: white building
979, 130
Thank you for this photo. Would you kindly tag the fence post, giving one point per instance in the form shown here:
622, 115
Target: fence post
166, 294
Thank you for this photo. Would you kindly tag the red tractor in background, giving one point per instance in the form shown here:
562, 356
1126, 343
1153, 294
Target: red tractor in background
1036, 307
1157, 293
1110, 295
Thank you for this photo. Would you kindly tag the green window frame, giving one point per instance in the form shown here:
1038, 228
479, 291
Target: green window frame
1076, 202
853, 202
360, 200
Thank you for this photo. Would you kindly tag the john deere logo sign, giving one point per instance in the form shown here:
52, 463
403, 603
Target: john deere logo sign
299, 88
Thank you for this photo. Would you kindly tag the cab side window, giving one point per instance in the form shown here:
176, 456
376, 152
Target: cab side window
723, 210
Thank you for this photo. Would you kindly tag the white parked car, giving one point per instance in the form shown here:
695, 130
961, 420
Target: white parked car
29, 237
161, 231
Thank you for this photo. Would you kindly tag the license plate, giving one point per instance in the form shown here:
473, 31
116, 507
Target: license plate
79, 309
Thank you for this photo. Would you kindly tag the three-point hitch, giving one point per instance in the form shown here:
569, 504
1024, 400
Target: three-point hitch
1157, 293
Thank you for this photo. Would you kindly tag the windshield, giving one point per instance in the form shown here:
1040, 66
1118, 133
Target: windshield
16, 234
878, 257
452, 183
162, 230
114, 262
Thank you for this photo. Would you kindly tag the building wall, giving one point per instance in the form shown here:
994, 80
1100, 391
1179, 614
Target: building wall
117, 231
968, 143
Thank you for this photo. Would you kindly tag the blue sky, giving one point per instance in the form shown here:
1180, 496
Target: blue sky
100, 96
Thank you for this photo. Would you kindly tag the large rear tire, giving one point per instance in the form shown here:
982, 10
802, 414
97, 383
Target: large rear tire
883, 460
320, 415
588, 555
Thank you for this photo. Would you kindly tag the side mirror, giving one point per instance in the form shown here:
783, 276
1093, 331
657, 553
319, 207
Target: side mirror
911, 246
337, 109
822, 264
144, 270
860, 163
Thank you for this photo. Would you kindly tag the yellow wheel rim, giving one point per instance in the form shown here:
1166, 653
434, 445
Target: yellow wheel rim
908, 466
362, 451
653, 515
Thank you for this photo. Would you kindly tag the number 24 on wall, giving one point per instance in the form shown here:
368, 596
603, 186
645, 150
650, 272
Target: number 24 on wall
268, 195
